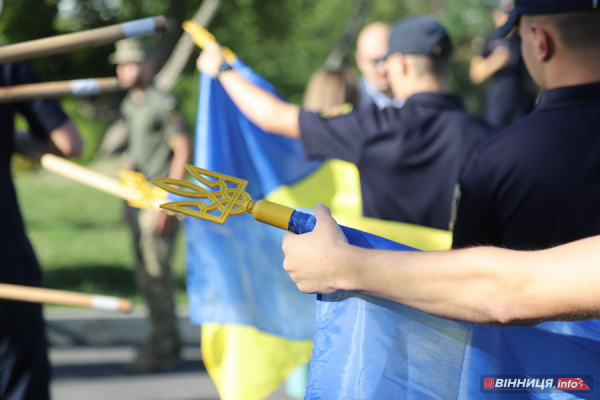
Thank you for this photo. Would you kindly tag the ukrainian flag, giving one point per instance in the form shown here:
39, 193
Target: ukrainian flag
256, 325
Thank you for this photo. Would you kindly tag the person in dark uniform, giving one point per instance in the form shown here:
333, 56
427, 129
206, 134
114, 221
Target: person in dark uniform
508, 94
409, 158
537, 184
24, 366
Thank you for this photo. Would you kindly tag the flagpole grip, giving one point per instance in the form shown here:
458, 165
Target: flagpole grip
303, 223
272, 214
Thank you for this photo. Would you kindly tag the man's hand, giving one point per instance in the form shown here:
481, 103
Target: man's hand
319, 261
210, 59
163, 222
499, 58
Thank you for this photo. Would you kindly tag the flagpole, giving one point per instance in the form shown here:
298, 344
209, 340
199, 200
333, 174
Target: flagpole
77, 88
81, 40
132, 187
66, 298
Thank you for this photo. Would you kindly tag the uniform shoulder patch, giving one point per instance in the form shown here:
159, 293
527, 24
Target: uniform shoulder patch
337, 111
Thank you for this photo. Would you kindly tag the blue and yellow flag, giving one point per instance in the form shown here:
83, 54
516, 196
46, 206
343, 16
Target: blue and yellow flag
368, 348
256, 325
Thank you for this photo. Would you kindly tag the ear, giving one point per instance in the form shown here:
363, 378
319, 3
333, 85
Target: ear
543, 43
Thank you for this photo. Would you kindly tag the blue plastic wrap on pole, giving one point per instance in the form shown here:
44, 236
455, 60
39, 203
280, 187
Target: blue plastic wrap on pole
302, 223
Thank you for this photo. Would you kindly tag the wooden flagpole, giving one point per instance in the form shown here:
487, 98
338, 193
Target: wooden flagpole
77, 88
132, 187
62, 297
81, 40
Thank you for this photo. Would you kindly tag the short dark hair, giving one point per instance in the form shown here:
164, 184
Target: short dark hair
434, 65
577, 30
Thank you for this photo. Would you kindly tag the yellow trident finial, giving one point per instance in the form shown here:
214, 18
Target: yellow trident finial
227, 197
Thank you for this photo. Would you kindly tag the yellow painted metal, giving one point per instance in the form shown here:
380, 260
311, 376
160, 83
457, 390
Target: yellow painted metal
221, 197
201, 37
272, 214
144, 195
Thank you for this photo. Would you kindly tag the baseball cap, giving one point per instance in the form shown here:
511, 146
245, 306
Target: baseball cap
541, 7
129, 51
420, 35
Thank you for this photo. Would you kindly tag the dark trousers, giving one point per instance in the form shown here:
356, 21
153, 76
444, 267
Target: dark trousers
24, 366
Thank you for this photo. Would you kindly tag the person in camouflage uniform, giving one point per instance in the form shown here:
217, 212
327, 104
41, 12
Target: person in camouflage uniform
158, 147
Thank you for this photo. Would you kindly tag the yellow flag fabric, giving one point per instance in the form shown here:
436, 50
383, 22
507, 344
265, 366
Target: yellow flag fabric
247, 364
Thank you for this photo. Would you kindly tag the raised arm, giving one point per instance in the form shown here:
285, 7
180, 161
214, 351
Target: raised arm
482, 68
483, 284
261, 107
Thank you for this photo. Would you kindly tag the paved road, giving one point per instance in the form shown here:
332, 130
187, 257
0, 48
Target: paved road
96, 373
88, 351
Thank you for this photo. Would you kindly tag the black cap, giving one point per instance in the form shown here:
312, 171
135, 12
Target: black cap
541, 7
420, 35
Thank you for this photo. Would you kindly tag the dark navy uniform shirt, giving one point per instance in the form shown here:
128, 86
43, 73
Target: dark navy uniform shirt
536, 184
19, 265
409, 158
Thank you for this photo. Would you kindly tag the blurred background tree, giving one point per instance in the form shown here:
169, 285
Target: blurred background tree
285, 41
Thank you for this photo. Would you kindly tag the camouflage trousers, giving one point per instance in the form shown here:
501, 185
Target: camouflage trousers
153, 258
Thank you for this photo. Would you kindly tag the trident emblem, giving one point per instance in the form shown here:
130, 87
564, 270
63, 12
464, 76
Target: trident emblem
226, 195
223, 196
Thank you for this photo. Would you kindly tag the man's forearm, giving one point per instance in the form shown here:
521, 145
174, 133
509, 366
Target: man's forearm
63, 141
488, 285
263, 108
461, 284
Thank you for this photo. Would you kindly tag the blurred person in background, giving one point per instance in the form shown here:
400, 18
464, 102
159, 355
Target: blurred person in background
510, 92
158, 147
329, 88
24, 366
409, 158
371, 47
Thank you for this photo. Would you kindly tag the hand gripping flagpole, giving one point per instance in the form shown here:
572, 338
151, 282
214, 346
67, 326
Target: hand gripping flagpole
224, 196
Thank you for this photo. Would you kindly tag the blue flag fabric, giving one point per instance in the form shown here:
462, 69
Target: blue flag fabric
234, 270
368, 348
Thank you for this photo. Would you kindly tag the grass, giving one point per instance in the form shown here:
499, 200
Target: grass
80, 237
